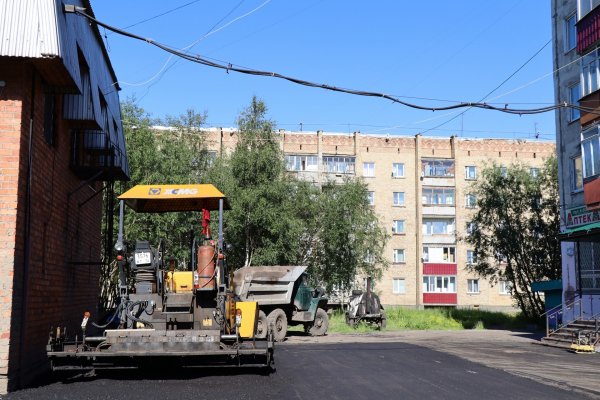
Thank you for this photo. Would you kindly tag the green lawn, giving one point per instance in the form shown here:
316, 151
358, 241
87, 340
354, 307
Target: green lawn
399, 318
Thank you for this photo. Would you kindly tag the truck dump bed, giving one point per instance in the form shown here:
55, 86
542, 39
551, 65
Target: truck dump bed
267, 284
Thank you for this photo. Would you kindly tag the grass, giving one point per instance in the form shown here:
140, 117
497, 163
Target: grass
399, 318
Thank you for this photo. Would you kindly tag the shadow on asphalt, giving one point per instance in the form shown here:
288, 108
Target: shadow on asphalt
156, 373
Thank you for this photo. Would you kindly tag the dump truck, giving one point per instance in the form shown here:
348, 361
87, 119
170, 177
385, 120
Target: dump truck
189, 317
284, 298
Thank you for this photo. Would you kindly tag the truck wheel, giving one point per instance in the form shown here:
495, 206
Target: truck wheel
320, 324
278, 318
261, 325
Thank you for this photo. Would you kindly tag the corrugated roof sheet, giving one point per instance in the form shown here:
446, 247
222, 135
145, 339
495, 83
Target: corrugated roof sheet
28, 28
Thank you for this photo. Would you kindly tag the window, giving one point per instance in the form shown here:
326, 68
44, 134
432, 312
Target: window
534, 172
211, 157
437, 168
470, 201
472, 285
504, 286
589, 73
500, 258
439, 254
301, 163
570, 32
576, 174
585, 6
574, 96
471, 257
49, 118
369, 258
398, 226
504, 172
398, 198
438, 196
369, 169
371, 198
398, 170
438, 226
339, 164
398, 255
588, 263
439, 284
470, 172
590, 150
471, 228
398, 286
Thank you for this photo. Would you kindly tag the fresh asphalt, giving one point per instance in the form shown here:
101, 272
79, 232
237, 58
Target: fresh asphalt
344, 370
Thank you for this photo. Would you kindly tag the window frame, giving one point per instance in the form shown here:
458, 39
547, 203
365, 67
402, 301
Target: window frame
570, 32
473, 286
396, 259
575, 188
395, 229
534, 172
371, 197
369, 169
394, 170
428, 226
398, 204
504, 287
468, 202
574, 114
447, 251
395, 289
471, 257
438, 168
433, 281
590, 136
470, 172
431, 193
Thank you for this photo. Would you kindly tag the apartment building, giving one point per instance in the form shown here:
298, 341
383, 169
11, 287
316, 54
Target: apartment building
419, 187
576, 40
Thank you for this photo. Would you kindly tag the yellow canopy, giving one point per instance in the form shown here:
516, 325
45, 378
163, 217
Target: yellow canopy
173, 198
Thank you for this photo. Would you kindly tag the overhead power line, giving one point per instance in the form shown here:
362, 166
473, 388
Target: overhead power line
248, 71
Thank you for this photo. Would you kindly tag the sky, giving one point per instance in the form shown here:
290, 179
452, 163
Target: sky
450, 51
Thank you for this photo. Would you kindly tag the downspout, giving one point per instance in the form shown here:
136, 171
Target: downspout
26, 236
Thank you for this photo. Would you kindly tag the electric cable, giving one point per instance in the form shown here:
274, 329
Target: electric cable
230, 67
496, 88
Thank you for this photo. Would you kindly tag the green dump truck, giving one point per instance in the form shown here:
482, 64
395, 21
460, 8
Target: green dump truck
284, 298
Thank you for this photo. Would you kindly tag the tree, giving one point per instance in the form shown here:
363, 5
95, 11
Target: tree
515, 227
264, 222
276, 219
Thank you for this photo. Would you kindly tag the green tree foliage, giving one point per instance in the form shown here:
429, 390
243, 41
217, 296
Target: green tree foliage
169, 156
515, 228
276, 219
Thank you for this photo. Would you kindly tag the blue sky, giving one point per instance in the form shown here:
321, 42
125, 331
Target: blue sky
447, 50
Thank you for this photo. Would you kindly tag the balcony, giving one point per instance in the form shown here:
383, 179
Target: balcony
588, 31
439, 299
439, 268
94, 156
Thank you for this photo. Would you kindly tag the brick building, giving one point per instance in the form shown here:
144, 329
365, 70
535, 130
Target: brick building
419, 187
61, 146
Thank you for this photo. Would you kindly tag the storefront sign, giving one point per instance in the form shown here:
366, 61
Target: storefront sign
581, 216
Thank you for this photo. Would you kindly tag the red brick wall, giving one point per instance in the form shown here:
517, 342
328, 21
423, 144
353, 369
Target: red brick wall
47, 289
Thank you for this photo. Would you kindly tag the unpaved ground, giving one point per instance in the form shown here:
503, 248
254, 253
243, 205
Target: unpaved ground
514, 352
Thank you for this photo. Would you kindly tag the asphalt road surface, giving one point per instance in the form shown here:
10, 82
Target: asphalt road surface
390, 370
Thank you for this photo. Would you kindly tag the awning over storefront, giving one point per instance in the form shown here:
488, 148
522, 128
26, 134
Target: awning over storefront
581, 233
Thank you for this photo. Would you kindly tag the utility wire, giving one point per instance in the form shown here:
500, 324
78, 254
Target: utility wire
230, 67
496, 88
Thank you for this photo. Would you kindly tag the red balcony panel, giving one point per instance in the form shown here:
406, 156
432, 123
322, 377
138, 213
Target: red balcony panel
439, 269
588, 30
439, 298
591, 193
